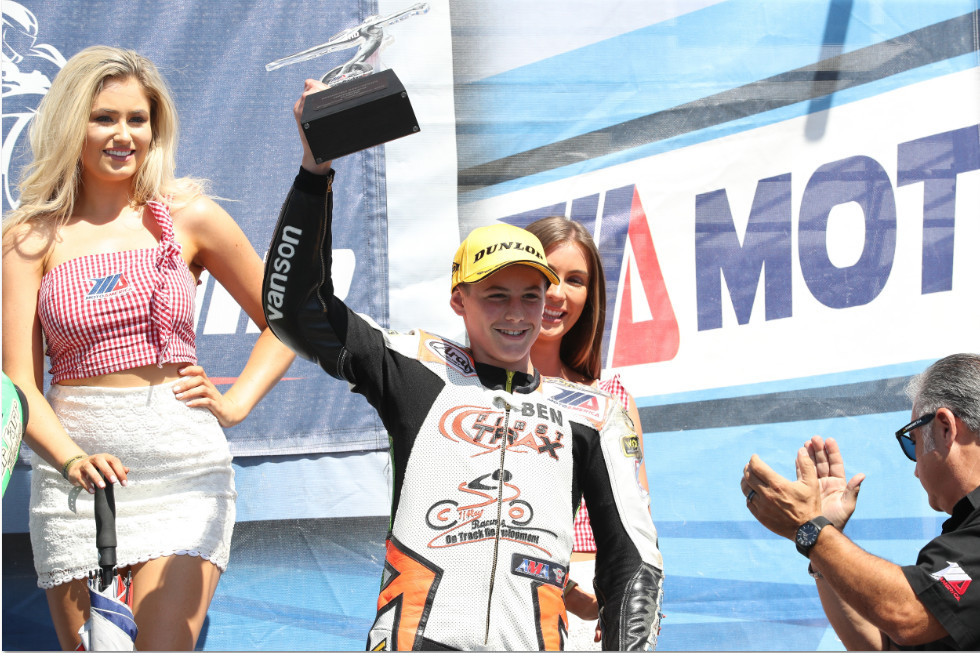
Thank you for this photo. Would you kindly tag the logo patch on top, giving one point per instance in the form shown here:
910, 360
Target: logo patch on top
631, 446
546, 571
577, 399
454, 356
110, 286
954, 579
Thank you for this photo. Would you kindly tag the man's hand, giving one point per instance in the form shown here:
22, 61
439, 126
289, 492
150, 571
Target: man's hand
312, 86
778, 504
838, 496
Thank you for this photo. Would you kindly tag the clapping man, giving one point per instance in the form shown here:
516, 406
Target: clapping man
874, 604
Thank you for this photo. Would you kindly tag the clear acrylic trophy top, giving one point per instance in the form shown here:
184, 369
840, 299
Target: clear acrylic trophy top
368, 37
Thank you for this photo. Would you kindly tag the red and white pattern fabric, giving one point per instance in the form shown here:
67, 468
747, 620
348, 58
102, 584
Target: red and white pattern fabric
113, 311
582, 528
615, 388
582, 531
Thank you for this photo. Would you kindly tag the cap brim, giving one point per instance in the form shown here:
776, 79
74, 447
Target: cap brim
543, 269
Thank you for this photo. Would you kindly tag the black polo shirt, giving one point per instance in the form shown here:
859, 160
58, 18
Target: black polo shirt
946, 577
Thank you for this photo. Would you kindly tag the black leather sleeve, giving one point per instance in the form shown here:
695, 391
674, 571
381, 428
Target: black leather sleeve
629, 568
297, 292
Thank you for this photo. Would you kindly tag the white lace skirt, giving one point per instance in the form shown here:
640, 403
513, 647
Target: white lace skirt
581, 634
180, 494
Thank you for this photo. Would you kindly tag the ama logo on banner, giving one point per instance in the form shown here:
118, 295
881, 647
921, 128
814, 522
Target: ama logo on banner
632, 269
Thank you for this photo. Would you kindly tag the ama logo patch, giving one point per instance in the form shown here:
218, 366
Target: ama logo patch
579, 400
110, 286
954, 579
546, 571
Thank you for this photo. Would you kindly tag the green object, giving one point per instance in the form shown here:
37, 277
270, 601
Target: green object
14, 423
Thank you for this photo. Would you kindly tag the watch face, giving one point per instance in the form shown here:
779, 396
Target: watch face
806, 535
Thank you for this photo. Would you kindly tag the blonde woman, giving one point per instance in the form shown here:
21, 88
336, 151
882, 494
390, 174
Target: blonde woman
100, 267
570, 346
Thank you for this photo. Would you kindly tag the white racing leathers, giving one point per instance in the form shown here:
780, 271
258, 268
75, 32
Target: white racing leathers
489, 467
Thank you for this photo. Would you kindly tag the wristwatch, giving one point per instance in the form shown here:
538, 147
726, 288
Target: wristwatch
807, 534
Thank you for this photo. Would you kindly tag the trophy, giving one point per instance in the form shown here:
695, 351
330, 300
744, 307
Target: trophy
360, 107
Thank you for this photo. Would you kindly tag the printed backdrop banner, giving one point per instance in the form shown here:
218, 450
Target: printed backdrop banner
236, 130
785, 195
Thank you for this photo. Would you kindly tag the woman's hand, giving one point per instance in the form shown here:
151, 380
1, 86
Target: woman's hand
196, 390
83, 471
582, 604
309, 163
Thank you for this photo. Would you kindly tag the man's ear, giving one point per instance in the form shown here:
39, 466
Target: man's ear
944, 428
456, 301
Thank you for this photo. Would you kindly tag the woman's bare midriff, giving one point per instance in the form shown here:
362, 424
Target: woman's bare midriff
133, 378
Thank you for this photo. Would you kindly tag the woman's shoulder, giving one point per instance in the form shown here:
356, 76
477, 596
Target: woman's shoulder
614, 386
196, 213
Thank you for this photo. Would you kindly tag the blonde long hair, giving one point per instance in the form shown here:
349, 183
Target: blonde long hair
50, 182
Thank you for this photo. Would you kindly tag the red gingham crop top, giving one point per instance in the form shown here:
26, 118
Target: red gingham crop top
113, 311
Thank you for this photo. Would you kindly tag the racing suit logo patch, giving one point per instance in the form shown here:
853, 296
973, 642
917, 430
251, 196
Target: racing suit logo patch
473, 517
454, 356
954, 579
547, 571
631, 446
484, 429
580, 400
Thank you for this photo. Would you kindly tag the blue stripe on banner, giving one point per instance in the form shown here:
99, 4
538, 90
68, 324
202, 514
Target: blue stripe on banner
715, 49
785, 385
795, 110
896, 528
867, 443
321, 486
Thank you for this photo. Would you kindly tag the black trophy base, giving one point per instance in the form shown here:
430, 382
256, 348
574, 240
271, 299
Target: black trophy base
356, 115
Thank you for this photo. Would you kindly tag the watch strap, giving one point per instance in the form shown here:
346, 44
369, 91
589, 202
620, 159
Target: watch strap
813, 572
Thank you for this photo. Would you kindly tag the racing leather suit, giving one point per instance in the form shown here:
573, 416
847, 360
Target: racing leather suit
489, 467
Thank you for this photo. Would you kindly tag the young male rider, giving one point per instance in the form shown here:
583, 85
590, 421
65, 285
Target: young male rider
490, 460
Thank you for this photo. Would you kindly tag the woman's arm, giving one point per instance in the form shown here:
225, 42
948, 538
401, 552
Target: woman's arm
24, 251
212, 239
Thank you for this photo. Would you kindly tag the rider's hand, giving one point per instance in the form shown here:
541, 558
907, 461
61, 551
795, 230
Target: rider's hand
309, 163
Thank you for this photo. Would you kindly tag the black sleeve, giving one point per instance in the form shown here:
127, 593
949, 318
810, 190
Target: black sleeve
301, 310
629, 568
942, 577
297, 291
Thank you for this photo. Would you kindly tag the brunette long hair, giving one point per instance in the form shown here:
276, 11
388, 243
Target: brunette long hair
581, 347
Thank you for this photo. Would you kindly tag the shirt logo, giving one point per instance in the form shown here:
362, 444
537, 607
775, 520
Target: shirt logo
453, 355
547, 571
103, 287
584, 402
954, 579
631, 446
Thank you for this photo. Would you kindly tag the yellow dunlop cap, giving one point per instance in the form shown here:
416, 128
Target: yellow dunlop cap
488, 249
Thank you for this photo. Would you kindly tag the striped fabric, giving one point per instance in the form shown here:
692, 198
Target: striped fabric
113, 311
582, 528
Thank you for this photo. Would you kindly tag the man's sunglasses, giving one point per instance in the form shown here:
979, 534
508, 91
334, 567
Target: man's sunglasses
902, 435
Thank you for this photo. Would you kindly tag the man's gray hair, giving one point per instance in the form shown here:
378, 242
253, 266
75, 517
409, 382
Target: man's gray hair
952, 382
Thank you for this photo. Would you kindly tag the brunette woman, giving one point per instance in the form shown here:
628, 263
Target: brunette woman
570, 346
